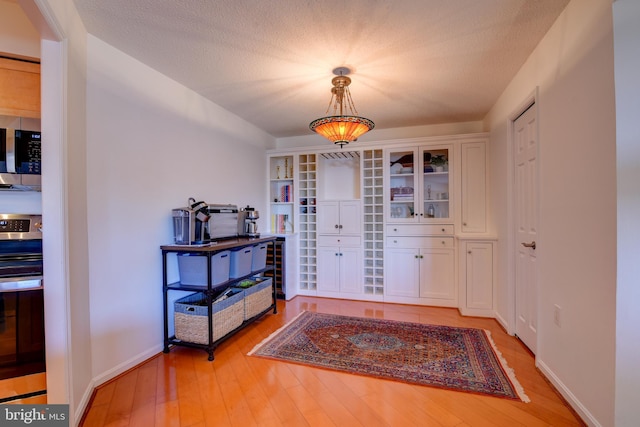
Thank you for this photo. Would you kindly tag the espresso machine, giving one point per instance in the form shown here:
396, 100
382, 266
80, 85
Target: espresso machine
191, 224
247, 225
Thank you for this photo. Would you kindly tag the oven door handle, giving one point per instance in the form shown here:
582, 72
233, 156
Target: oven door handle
21, 284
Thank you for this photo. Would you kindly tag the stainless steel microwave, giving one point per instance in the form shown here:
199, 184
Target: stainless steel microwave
20, 159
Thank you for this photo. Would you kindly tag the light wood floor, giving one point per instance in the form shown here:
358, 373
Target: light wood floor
12, 387
182, 388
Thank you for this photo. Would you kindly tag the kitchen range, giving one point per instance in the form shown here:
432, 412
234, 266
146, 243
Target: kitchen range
22, 348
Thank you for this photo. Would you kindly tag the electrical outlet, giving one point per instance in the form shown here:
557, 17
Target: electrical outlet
556, 314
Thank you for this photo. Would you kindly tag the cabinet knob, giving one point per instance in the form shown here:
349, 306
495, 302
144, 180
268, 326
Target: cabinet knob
395, 229
340, 226
444, 243
443, 230
336, 225
469, 252
464, 223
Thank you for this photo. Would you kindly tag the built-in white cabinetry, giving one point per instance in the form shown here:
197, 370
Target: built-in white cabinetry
339, 247
420, 181
404, 221
307, 199
473, 190
339, 261
477, 281
339, 217
281, 194
373, 209
420, 269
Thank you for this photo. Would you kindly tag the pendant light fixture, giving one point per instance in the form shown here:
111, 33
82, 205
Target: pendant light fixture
344, 126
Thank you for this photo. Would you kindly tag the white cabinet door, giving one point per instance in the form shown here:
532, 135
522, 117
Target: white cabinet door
350, 217
419, 184
328, 261
402, 272
478, 292
437, 274
474, 187
328, 217
339, 217
350, 270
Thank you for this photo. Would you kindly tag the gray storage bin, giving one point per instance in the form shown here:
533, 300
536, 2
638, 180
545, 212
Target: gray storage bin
240, 262
259, 257
193, 268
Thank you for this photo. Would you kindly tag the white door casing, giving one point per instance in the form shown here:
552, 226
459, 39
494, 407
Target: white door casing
525, 159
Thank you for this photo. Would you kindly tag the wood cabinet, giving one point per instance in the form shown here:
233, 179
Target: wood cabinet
477, 282
20, 88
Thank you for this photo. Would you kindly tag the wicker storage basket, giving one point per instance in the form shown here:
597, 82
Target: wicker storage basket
190, 317
258, 297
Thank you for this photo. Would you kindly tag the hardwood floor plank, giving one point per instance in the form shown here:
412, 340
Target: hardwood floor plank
182, 388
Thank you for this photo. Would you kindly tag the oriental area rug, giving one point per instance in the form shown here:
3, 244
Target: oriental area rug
461, 359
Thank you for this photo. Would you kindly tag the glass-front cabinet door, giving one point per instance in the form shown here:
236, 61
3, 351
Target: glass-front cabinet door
402, 191
418, 184
435, 184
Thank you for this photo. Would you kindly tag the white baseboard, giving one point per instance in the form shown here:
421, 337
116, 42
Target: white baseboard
571, 399
109, 375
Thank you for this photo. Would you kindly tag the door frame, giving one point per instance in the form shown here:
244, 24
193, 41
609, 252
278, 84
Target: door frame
532, 100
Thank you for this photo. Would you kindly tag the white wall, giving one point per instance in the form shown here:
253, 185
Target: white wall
151, 144
573, 69
626, 15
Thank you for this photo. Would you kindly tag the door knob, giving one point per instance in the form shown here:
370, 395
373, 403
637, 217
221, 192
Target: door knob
531, 245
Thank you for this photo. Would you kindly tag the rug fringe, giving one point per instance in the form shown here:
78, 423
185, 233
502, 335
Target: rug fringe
263, 342
510, 372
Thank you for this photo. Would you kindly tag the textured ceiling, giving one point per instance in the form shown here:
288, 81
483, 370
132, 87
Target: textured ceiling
414, 62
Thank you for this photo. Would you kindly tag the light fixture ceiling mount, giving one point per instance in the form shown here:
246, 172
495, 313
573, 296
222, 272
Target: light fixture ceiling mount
344, 126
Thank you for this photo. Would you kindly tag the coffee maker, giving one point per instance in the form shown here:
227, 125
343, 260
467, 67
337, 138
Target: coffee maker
191, 224
247, 225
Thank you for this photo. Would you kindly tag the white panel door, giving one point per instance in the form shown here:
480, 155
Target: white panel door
526, 223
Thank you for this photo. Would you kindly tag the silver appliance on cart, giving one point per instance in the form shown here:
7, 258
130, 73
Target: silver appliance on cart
247, 225
223, 221
191, 224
